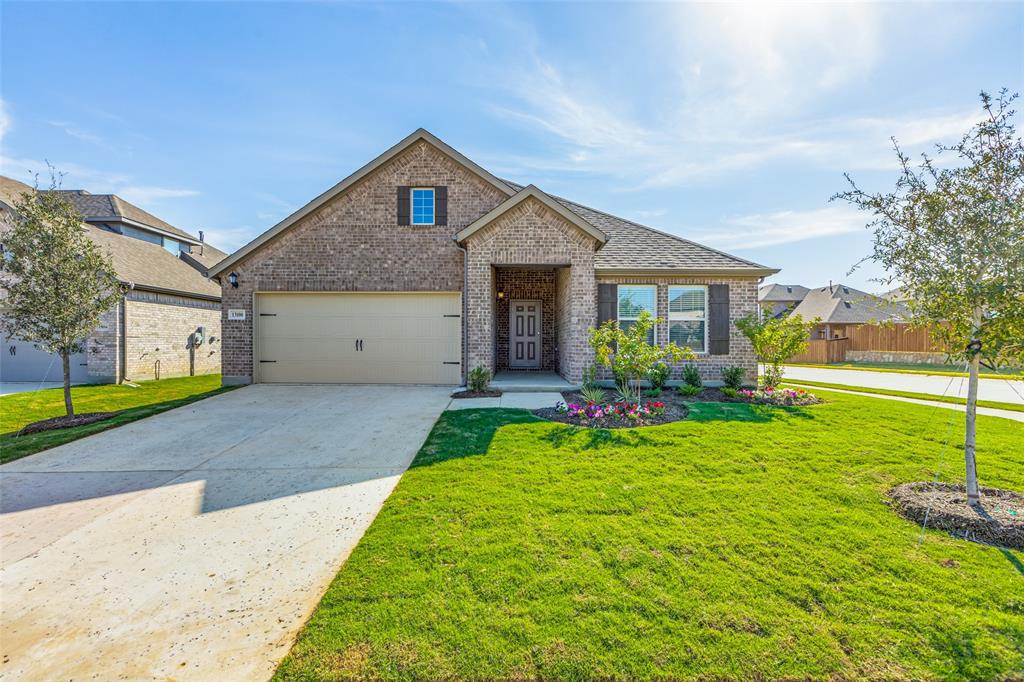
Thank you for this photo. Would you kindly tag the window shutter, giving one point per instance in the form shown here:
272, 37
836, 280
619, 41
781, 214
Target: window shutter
607, 303
718, 319
403, 205
441, 205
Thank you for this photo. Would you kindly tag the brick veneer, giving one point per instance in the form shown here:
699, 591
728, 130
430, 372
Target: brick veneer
532, 234
526, 284
354, 243
742, 302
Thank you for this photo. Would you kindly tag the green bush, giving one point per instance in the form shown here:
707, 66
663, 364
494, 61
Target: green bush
659, 375
689, 389
730, 392
732, 377
691, 376
590, 377
479, 379
652, 393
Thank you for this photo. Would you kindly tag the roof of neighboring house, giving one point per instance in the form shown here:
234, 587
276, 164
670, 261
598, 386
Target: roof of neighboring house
630, 247
839, 303
142, 263
151, 266
781, 292
897, 294
112, 208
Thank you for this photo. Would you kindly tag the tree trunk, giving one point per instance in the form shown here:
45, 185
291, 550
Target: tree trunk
972, 417
66, 360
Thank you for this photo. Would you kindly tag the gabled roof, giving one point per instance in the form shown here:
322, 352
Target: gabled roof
839, 303
416, 136
781, 292
632, 247
98, 208
531, 191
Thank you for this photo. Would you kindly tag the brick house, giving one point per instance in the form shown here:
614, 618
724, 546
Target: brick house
422, 264
167, 325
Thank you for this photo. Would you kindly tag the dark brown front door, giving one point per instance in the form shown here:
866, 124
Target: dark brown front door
524, 334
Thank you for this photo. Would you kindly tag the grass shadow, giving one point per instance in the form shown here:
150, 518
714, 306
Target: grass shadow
1012, 558
467, 433
585, 438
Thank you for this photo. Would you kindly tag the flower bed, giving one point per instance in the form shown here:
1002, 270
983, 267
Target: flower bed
778, 396
613, 415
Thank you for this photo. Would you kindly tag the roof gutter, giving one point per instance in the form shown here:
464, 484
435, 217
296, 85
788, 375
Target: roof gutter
174, 292
143, 226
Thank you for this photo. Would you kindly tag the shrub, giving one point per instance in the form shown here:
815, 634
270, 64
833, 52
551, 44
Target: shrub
628, 353
652, 393
659, 375
729, 392
691, 376
479, 379
776, 340
689, 389
592, 393
590, 377
627, 394
732, 377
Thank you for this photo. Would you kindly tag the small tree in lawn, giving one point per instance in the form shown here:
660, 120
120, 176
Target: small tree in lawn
775, 341
58, 283
952, 234
628, 354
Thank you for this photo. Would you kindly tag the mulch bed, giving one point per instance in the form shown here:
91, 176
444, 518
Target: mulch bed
675, 409
477, 394
999, 521
65, 422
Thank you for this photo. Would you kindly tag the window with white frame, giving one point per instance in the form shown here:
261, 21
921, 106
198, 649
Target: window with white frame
423, 206
633, 300
687, 317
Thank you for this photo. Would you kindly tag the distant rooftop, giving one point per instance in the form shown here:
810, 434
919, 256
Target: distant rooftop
841, 303
110, 207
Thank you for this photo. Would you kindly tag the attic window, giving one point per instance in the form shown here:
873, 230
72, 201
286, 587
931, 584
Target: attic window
789, 290
847, 304
845, 290
422, 205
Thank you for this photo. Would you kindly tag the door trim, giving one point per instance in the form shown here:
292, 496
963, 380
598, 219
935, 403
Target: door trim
540, 332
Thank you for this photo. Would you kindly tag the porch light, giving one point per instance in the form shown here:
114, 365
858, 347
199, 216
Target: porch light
501, 295
233, 279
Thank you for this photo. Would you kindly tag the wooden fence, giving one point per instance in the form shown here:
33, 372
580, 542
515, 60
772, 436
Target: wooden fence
896, 338
822, 352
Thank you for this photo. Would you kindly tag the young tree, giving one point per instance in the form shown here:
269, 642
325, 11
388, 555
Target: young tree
628, 354
776, 340
952, 233
58, 283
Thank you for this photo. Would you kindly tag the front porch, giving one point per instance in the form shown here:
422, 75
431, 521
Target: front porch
531, 382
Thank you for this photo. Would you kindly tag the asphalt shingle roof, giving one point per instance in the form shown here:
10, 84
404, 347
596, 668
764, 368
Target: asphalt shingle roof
839, 303
95, 206
632, 246
781, 292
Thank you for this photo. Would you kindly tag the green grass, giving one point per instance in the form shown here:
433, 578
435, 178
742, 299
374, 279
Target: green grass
151, 397
1015, 407
747, 542
919, 368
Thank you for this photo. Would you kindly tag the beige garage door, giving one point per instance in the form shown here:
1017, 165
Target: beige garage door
361, 338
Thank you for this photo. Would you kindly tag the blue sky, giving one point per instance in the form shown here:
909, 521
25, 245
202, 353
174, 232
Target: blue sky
728, 124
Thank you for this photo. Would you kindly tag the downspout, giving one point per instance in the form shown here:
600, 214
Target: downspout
465, 306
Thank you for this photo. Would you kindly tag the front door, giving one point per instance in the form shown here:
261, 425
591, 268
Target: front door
524, 334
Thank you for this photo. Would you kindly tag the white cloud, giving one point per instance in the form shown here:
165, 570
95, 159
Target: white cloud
144, 194
783, 227
76, 132
230, 239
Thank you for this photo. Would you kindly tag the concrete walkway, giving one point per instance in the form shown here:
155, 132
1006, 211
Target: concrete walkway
194, 544
1001, 390
523, 401
989, 411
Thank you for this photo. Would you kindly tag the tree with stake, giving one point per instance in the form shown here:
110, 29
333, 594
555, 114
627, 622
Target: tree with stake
58, 283
952, 234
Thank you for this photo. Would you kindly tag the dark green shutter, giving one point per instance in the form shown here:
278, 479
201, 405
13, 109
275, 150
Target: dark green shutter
441, 205
607, 303
718, 319
404, 196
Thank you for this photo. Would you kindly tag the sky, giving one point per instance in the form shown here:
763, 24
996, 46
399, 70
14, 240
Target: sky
728, 124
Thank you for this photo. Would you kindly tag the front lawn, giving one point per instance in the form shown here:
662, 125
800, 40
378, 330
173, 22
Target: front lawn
151, 397
743, 542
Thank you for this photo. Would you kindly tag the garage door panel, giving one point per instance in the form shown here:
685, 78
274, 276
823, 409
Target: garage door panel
405, 338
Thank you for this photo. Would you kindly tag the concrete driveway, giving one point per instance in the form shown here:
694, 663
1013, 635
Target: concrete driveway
194, 544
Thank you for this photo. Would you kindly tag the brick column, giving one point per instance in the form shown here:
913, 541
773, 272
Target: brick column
479, 312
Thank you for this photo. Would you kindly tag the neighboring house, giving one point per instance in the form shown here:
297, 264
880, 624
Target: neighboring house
779, 300
169, 322
897, 295
422, 265
841, 308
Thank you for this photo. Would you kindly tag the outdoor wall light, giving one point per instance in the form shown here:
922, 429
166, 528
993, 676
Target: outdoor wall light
233, 279
501, 295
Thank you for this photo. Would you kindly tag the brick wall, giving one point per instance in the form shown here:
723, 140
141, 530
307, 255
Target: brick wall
742, 302
526, 284
103, 348
532, 234
159, 331
354, 243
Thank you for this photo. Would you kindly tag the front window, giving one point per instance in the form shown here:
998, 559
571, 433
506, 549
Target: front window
687, 315
634, 299
423, 206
